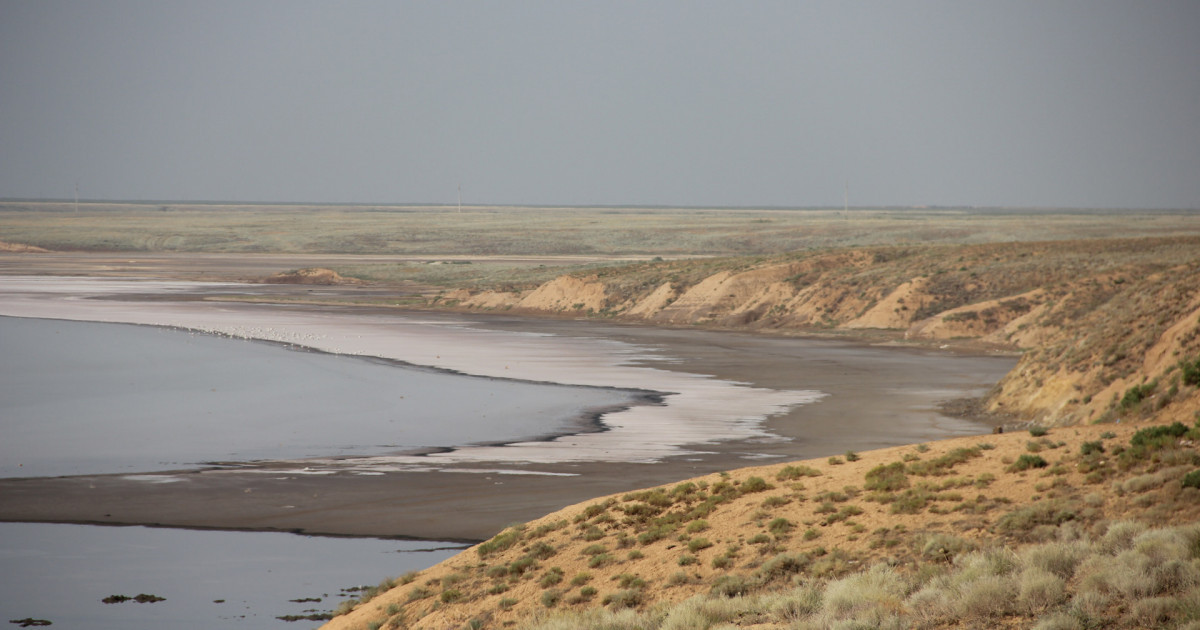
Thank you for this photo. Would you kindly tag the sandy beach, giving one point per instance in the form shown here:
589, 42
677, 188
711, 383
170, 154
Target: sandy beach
732, 399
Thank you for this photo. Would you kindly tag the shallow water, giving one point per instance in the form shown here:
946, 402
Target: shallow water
86, 398
210, 580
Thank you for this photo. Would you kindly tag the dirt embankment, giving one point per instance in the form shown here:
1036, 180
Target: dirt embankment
311, 275
21, 248
1097, 319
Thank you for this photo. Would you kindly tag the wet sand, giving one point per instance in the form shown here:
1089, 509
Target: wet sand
874, 396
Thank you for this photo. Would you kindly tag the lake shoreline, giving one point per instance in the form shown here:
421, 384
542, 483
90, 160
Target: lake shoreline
876, 397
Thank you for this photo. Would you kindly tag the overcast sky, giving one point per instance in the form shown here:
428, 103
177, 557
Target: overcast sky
1017, 103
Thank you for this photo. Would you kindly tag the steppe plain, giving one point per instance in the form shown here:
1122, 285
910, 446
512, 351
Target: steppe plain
1102, 308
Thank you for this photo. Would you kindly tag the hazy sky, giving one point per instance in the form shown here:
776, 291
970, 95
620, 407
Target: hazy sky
1026, 103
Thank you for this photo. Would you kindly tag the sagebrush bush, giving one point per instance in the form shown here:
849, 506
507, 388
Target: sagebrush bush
796, 471
886, 478
1039, 590
1027, 461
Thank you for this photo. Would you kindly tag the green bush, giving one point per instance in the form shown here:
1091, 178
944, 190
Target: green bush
731, 586
780, 526
1087, 448
1192, 479
886, 478
1159, 436
1136, 394
551, 577
499, 542
551, 598
755, 484
796, 472
1038, 431
1027, 461
1190, 372
629, 598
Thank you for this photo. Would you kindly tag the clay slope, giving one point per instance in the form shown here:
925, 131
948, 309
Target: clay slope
1097, 317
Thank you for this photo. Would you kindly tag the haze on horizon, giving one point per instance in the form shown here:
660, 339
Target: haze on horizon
1023, 103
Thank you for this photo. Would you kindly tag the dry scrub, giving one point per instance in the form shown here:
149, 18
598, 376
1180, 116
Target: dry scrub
939, 535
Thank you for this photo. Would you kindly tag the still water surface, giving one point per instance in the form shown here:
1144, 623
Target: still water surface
88, 398
210, 580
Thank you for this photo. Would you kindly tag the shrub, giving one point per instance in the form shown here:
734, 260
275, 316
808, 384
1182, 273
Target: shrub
657, 532
687, 559
755, 484
835, 460
878, 586
551, 598
1190, 372
696, 544
499, 542
796, 472
1087, 448
1192, 479
1159, 436
944, 547
541, 550
886, 478
780, 526
600, 561
542, 530
1027, 461
552, 577
679, 578
782, 566
851, 456
1040, 590
811, 534
1022, 521
581, 578
912, 500
731, 586
594, 550
1136, 394
1038, 431
942, 465
507, 603
697, 526
451, 595
629, 598
775, 501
